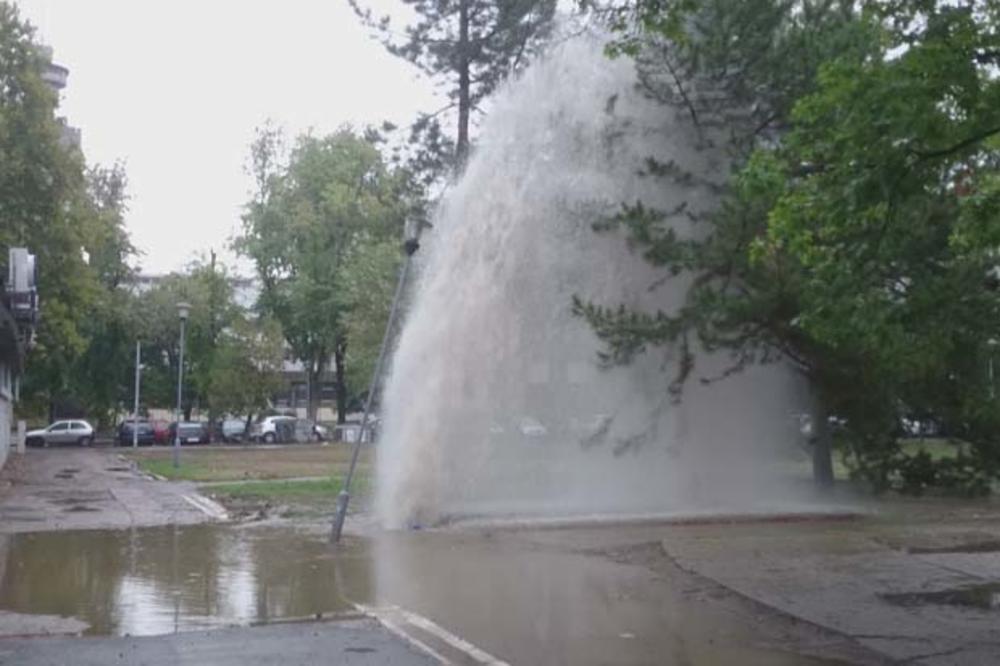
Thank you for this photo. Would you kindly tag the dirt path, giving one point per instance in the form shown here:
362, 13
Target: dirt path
67, 488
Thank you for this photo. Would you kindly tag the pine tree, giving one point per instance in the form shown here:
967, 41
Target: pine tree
468, 46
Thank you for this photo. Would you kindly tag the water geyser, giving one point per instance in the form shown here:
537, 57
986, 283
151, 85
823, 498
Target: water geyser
495, 404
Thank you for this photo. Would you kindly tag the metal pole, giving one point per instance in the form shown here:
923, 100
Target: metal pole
135, 410
180, 393
344, 497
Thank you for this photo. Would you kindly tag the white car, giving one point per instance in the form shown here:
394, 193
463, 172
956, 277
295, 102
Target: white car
266, 430
62, 432
531, 427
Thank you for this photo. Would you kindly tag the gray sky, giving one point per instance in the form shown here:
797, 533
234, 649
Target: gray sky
175, 89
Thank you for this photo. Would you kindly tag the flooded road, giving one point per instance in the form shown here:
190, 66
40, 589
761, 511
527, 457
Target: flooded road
521, 600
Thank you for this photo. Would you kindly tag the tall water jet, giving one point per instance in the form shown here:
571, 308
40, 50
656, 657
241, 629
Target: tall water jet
496, 404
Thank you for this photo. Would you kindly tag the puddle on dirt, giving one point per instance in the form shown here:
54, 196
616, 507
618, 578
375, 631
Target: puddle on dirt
520, 601
167, 579
986, 596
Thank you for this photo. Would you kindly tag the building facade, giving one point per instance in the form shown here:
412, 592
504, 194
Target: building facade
18, 319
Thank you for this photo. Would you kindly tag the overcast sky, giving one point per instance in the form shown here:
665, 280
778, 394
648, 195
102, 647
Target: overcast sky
175, 89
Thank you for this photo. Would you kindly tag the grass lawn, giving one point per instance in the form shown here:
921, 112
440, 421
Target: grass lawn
248, 463
294, 498
279, 490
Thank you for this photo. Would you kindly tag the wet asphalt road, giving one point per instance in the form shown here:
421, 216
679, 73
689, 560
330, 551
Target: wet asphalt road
353, 642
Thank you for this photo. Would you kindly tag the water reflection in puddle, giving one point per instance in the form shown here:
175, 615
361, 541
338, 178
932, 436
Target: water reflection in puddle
167, 579
516, 600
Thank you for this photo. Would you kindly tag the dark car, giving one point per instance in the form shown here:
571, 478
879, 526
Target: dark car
190, 432
143, 429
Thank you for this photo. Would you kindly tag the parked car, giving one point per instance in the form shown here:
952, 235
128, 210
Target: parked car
231, 430
144, 430
531, 427
351, 429
62, 432
287, 429
161, 431
267, 429
191, 432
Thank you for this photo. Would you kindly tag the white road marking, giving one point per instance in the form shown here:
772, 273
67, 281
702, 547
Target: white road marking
397, 630
207, 506
389, 616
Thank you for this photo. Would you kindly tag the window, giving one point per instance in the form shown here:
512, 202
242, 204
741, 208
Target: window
59, 427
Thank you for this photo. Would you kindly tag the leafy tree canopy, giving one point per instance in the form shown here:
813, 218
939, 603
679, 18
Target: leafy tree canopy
308, 230
857, 235
71, 218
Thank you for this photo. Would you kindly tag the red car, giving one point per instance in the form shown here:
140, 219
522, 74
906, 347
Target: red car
161, 431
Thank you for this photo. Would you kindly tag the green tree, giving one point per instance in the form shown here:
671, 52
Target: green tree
844, 242
467, 45
895, 225
246, 368
207, 288
369, 284
309, 217
100, 379
69, 218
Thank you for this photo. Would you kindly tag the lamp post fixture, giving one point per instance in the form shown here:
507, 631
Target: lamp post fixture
183, 310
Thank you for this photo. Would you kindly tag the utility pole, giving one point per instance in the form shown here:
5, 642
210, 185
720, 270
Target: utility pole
182, 311
135, 409
410, 247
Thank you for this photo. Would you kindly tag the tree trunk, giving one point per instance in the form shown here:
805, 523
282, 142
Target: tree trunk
313, 373
822, 445
464, 85
341, 381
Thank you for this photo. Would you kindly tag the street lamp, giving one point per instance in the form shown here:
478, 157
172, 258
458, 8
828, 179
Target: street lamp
135, 410
183, 310
411, 244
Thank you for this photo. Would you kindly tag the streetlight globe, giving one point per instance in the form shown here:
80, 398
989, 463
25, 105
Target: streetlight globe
183, 310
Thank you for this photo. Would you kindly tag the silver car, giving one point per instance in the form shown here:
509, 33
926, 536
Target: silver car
62, 432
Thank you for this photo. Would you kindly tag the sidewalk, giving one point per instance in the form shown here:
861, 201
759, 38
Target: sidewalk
92, 488
921, 592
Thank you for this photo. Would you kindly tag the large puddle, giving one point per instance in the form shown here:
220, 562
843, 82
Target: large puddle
168, 579
522, 601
